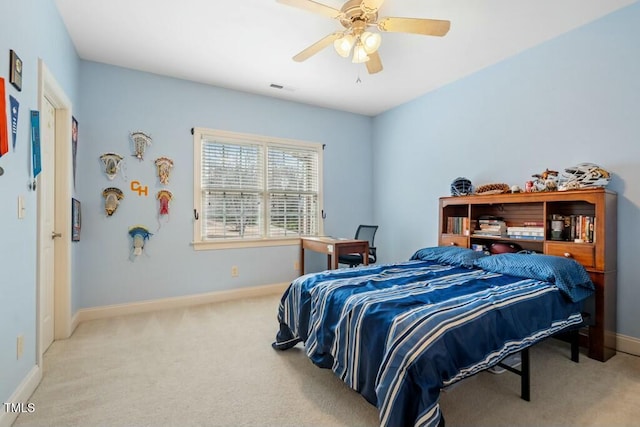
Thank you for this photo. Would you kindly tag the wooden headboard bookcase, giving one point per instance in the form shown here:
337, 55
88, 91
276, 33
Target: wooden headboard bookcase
459, 221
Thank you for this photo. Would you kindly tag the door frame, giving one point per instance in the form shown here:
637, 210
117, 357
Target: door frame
49, 88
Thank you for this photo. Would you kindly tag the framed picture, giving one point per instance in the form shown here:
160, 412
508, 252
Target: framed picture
15, 71
76, 220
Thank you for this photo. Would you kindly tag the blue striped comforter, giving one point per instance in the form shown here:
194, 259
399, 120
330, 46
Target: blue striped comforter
399, 333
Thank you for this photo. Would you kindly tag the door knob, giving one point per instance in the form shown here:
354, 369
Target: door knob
54, 234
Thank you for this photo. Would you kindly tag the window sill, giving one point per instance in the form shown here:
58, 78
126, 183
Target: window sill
236, 244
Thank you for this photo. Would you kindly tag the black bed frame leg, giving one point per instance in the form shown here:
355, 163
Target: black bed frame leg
525, 380
575, 345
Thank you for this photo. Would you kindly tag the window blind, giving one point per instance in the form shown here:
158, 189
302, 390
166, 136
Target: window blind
232, 190
292, 191
258, 189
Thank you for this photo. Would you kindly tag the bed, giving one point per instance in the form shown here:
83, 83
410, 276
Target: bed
399, 333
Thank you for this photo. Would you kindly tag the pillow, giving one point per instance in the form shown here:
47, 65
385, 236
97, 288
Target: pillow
568, 275
453, 255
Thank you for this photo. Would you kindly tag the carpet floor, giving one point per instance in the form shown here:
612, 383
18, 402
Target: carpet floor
213, 365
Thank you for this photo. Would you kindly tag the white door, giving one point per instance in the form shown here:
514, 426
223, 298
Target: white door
46, 187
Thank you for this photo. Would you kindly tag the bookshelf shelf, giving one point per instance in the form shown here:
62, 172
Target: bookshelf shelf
596, 211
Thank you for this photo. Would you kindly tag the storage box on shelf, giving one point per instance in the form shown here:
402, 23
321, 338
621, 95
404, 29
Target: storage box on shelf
597, 251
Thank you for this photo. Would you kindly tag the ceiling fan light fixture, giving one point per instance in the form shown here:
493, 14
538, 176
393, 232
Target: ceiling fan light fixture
344, 44
359, 54
370, 41
361, 35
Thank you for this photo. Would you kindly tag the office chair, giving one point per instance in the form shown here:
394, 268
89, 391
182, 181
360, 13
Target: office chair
364, 232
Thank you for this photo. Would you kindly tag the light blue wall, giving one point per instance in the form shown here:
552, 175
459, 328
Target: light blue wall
573, 99
34, 30
116, 101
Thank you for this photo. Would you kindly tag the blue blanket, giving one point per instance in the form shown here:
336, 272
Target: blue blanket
399, 333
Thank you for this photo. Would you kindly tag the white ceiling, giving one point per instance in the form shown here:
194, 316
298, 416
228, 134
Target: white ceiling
248, 44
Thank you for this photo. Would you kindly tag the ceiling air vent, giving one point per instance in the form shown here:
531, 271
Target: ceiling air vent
287, 88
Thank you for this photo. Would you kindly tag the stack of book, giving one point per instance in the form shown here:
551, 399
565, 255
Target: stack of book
526, 232
491, 227
458, 225
582, 228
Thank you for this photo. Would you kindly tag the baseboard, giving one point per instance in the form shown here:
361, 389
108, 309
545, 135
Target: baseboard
21, 395
628, 344
75, 321
178, 302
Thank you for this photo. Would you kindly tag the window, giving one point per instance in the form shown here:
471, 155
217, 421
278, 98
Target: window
254, 191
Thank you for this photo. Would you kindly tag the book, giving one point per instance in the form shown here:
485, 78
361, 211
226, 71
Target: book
533, 223
527, 229
582, 228
517, 236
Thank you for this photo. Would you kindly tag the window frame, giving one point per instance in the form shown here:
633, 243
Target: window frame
199, 243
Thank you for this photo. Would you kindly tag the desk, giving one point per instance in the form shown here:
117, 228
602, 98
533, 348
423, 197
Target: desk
333, 248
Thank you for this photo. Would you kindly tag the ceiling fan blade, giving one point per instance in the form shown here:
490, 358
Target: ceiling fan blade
371, 5
427, 27
374, 65
312, 6
317, 47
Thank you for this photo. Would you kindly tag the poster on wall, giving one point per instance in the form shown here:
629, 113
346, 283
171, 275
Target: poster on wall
74, 146
15, 106
35, 143
76, 220
4, 136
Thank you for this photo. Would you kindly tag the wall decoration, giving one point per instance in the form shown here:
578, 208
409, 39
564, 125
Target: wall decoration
164, 196
140, 142
112, 197
140, 234
4, 138
15, 70
15, 106
137, 187
164, 166
74, 146
111, 163
76, 220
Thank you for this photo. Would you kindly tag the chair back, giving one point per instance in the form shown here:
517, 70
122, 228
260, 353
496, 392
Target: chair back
368, 232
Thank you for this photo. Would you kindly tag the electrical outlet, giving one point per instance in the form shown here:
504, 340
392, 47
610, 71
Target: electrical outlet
234, 271
19, 346
296, 265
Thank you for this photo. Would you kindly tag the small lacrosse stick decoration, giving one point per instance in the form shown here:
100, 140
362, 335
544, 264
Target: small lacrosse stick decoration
111, 162
112, 197
164, 196
140, 235
140, 142
164, 166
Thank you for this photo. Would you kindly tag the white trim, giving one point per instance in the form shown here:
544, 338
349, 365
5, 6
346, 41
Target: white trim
247, 139
235, 244
75, 321
177, 302
21, 395
627, 344
48, 87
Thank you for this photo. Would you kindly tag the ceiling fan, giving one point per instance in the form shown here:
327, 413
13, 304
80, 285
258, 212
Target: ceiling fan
356, 16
